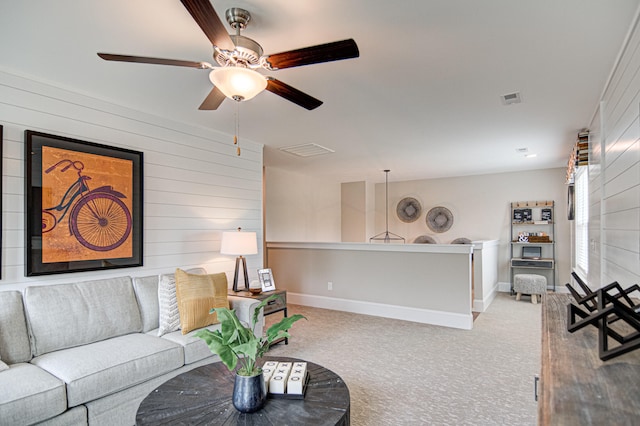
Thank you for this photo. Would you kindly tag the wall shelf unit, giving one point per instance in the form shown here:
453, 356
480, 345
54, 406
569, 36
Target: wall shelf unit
533, 240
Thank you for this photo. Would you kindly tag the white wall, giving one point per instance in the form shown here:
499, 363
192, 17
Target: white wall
194, 184
480, 206
414, 282
614, 175
354, 211
301, 208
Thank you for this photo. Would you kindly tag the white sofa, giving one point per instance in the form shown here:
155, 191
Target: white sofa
89, 353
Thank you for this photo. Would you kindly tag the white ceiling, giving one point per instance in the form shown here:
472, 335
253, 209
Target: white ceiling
422, 100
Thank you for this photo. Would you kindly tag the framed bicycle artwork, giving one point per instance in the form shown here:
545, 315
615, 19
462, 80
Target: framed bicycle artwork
83, 205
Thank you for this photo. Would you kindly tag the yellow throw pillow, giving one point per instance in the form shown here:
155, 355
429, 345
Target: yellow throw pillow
197, 294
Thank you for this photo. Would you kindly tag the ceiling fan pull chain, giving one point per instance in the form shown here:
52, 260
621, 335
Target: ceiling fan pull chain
237, 130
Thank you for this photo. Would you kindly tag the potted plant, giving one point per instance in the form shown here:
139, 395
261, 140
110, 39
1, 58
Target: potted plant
236, 344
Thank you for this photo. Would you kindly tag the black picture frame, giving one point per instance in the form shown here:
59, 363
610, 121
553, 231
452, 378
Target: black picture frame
86, 210
517, 216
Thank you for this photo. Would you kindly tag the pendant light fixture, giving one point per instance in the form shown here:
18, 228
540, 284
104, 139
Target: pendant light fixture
386, 236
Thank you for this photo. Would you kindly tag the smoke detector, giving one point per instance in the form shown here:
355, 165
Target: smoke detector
511, 98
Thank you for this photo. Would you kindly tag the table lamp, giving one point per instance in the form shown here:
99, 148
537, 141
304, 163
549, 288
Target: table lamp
239, 243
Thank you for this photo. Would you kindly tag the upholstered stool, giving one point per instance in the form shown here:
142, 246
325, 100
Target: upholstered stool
529, 284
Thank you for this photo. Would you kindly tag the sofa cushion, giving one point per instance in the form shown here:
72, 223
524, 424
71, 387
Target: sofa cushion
94, 370
195, 349
29, 394
67, 315
197, 295
14, 335
76, 416
169, 316
146, 289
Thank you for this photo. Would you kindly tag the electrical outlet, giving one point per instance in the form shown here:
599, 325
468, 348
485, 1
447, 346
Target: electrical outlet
329, 286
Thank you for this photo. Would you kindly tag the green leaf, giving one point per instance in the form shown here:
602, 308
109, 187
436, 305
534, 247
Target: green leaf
250, 351
262, 304
230, 326
216, 344
279, 330
246, 371
237, 344
282, 326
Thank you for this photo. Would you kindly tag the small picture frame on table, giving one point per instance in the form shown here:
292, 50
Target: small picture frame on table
266, 279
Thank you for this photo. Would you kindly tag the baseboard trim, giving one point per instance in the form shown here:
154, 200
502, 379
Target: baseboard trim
481, 305
504, 287
426, 316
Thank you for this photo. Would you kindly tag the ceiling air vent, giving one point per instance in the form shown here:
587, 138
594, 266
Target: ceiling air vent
307, 150
511, 98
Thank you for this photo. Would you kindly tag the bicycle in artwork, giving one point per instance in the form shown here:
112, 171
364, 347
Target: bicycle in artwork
98, 218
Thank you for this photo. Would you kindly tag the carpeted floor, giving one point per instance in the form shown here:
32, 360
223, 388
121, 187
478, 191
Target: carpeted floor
402, 373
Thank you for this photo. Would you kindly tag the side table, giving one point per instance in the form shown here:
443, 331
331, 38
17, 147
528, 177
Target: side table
277, 305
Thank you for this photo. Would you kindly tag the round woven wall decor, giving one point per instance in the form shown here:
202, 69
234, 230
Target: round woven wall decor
461, 241
439, 219
408, 209
425, 239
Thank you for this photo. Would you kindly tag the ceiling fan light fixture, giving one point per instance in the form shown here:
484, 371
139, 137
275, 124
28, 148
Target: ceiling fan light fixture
238, 57
239, 84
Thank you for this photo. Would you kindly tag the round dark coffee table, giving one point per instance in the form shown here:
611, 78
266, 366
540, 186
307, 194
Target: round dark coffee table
203, 396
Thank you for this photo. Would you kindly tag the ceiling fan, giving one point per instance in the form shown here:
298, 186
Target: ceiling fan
237, 57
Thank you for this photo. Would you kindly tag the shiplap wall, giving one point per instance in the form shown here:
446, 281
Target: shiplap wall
195, 186
617, 158
595, 199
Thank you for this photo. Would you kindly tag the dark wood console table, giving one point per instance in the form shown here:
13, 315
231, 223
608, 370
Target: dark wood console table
576, 387
203, 396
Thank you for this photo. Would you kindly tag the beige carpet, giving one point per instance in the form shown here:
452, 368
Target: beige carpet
402, 373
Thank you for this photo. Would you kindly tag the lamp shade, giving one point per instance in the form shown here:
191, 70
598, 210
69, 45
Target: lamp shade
239, 243
240, 84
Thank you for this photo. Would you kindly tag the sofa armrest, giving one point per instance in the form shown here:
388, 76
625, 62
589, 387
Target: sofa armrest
244, 307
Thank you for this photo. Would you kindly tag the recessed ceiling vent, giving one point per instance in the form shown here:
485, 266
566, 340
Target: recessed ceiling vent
307, 150
511, 98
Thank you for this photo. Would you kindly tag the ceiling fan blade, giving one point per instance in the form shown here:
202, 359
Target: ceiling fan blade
213, 100
292, 94
345, 49
206, 17
157, 61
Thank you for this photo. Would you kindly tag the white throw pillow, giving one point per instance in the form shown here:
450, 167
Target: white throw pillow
169, 318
